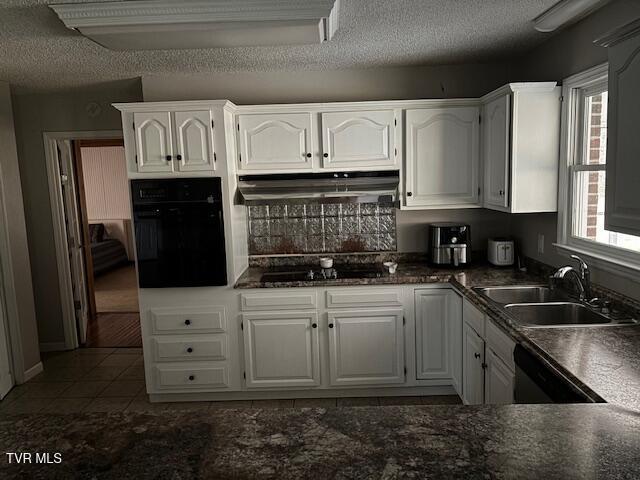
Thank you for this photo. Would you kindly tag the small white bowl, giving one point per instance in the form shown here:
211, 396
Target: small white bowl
326, 262
391, 266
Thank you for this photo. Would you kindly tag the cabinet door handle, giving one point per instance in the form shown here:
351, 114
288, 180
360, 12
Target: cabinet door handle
187, 322
331, 325
189, 350
409, 194
325, 155
308, 155
192, 378
168, 158
477, 355
179, 157
314, 325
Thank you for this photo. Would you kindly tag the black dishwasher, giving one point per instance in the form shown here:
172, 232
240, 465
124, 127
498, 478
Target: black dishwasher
179, 232
538, 383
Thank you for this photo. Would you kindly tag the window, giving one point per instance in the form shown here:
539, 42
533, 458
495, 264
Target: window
581, 219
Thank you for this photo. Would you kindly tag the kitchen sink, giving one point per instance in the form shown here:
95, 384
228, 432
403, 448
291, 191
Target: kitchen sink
522, 294
559, 314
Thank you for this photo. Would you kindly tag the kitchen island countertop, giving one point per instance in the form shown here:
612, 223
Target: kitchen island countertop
509, 441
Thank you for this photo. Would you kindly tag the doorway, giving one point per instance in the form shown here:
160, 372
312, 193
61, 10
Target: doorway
94, 213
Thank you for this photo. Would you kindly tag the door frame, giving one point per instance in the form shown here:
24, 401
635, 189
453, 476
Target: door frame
84, 220
59, 228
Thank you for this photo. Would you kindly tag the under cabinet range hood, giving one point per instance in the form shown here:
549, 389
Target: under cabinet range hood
335, 187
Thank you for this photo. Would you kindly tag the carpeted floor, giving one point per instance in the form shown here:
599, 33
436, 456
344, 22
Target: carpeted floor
117, 291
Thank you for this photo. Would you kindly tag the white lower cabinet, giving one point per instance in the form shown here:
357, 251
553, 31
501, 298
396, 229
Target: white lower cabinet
488, 366
472, 367
499, 380
366, 347
191, 377
281, 349
438, 335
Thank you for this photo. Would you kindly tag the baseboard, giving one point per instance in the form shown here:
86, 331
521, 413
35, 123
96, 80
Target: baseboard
33, 371
53, 347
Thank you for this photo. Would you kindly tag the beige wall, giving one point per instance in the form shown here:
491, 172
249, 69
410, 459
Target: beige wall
14, 256
35, 114
398, 83
412, 226
569, 52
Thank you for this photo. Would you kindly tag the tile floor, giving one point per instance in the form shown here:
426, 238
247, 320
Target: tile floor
112, 379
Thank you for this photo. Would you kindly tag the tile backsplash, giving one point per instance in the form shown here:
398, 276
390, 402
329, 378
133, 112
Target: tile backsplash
321, 228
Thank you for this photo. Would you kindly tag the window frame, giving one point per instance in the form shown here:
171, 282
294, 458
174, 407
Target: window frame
573, 130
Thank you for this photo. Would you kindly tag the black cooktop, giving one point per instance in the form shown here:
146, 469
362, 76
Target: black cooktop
301, 273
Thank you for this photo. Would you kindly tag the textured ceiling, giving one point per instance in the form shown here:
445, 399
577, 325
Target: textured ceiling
38, 53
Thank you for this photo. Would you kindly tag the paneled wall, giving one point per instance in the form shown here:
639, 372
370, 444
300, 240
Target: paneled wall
105, 179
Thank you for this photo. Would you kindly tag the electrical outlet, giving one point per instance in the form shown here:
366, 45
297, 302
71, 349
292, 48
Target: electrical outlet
540, 243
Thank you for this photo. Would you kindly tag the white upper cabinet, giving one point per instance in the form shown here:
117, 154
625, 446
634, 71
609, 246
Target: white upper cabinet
281, 141
281, 349
194, 142
366, 347
520, 147
358, 139
496, 142
169, 142
442, 157
154, 145
622, 207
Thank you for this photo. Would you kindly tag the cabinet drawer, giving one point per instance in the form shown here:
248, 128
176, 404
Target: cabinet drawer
269, 300
188, 319
190, 348
187, 377
473, 317
501, 344
363, 297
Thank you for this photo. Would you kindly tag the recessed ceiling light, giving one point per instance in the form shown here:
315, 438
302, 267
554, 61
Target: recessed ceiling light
186, 24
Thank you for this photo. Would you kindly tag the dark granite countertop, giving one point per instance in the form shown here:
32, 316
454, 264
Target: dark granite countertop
602, 362
510, 441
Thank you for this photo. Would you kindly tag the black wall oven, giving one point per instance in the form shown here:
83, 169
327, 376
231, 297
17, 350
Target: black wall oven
179, 232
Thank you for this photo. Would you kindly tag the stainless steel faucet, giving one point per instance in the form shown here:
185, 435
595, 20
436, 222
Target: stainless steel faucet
582, 277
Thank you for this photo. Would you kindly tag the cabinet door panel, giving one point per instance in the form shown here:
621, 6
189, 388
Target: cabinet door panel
366, 347
622, 208
194, 140
275, 141
472, 371
496, 126
281, 349
442, 156
358, 139
154, 146
499, 381
433, 334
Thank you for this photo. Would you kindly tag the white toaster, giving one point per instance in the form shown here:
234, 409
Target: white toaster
500, 251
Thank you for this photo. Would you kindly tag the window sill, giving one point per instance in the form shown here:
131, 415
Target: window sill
602, 262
